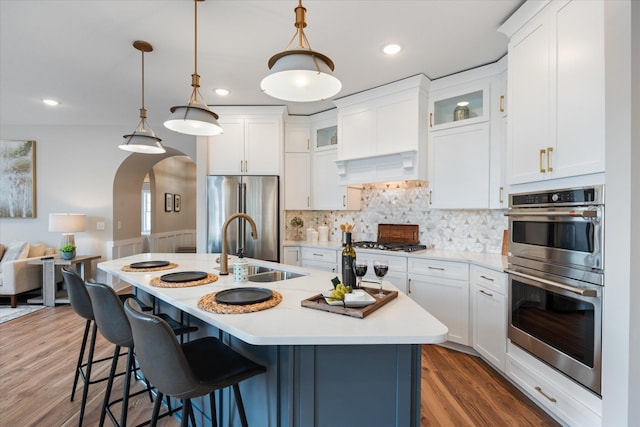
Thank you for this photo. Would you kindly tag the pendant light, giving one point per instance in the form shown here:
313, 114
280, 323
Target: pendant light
301, 74
195, 118
143, 139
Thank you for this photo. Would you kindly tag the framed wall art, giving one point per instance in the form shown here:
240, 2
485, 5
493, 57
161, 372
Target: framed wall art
17, 179
177, 203
168, 202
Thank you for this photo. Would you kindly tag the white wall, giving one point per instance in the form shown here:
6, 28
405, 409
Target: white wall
75, 170
621, 329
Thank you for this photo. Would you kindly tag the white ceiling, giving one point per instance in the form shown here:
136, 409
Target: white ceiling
80, 52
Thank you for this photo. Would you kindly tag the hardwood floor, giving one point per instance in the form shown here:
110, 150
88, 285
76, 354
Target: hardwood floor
38, 354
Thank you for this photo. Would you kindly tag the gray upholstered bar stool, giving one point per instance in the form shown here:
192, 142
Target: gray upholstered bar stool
114, 326
188, 370
81, 304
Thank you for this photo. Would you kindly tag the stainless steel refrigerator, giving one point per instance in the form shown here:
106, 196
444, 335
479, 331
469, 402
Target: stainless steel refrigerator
258, 197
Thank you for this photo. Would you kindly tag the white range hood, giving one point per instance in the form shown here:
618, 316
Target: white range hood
382, 133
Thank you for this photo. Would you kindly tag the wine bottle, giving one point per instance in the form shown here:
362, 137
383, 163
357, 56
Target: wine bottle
348, 256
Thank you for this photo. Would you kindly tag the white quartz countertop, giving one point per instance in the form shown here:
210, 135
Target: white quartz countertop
401, 321
496, 262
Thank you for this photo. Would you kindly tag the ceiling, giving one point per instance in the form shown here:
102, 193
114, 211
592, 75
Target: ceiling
81, 53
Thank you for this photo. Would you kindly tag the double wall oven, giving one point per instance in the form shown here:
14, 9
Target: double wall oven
556, 279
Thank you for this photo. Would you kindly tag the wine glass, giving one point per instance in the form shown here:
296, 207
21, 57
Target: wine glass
360, 267
381, 268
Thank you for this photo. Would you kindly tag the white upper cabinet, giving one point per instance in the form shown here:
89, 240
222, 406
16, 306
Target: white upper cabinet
297, 181
556, 90
382, 133
252, 142
466, 140
297, 135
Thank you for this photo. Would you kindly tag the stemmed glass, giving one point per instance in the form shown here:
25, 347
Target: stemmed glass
360, 267
381, 268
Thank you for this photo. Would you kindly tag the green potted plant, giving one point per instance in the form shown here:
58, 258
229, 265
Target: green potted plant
68, 251
297, 223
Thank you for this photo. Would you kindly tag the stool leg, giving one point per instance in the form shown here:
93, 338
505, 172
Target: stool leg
186, 410
156, 410
85, 389
127, 386
83, 346
243, 416
212, 403
107, 392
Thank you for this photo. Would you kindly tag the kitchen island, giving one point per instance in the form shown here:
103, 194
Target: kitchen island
323, 369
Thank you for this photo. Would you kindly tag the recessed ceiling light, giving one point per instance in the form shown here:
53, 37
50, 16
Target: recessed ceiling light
392, 49
51, 102
221, 92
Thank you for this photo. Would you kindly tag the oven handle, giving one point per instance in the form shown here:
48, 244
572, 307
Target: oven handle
579, 214
579, 291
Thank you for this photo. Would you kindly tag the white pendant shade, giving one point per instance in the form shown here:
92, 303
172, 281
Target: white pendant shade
300, 76
193, 119
142, 142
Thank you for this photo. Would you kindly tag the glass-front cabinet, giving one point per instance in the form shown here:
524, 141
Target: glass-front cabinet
327, 137
466, 105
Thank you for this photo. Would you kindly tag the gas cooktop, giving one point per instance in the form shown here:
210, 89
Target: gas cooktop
388, 246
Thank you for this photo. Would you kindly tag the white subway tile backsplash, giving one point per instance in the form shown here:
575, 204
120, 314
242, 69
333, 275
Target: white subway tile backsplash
457, 230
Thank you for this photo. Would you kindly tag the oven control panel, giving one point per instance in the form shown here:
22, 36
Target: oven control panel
566, 197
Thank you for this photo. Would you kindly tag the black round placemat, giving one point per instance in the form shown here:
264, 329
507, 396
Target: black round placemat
184, 276
149, 264
243, 296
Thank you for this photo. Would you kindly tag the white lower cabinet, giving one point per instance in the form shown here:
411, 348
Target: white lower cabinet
568, 401
291, 255
489, 314
320, 259
442, 288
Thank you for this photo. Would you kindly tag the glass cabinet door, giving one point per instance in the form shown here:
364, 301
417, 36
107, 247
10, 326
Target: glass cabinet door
456, 109
327, 137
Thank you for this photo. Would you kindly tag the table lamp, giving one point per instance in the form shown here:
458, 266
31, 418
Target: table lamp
67, 224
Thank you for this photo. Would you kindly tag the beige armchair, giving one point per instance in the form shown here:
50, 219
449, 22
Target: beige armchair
18, 276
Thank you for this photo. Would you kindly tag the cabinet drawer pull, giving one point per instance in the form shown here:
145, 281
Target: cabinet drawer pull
487, 278
430, 194
430, 120
246, 165
502, 103
435, 268
549, 151
500, 198
241, 166
344, 201
489, 294
409, 286
539, 390
315, 254
542, 151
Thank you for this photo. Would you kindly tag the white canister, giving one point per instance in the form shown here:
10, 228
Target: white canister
314, 237
323, 233
310, 232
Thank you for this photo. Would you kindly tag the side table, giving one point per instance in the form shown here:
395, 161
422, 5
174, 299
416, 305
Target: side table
50, 297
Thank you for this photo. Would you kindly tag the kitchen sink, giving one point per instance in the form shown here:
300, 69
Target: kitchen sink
273, 276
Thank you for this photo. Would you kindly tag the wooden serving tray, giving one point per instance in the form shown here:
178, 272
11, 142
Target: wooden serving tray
318, 302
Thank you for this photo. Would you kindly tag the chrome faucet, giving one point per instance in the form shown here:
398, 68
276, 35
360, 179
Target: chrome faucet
224, 258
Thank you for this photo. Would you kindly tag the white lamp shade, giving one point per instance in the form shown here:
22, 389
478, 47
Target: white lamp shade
300, 77
67, 223
139, 142
193, 119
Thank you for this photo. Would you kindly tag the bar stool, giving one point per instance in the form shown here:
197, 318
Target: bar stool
81, 304
114, 326
188, 370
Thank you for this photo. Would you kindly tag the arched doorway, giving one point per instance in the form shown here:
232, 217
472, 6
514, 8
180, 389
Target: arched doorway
172, 190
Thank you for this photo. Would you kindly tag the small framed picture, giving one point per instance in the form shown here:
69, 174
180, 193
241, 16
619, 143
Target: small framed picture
168, 202
177, 202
